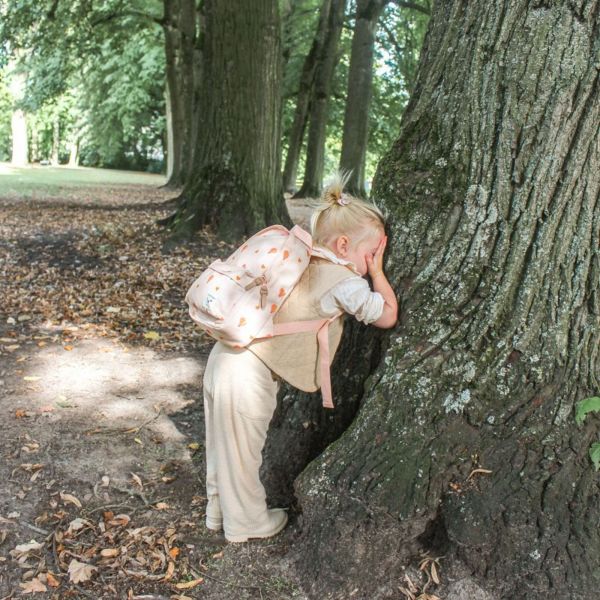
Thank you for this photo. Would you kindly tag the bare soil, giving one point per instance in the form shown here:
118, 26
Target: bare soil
102, 439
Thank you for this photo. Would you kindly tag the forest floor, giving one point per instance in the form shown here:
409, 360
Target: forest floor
102, 453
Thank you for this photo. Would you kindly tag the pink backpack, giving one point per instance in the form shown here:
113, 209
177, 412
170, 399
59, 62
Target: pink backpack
235, 300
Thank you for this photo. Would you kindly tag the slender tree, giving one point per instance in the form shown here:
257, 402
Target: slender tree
360, 85
358, 97
317, 128
236, 182
179, 26
465, 443
305, 91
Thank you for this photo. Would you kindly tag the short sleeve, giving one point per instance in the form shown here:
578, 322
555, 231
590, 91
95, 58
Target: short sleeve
354, 296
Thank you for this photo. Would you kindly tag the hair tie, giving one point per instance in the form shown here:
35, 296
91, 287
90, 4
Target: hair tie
343, 200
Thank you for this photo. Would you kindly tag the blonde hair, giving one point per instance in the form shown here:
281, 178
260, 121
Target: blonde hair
338, 213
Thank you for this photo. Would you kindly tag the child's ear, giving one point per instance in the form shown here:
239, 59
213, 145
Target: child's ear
341, 245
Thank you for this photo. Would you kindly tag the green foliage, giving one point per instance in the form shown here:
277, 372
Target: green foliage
595, 454
399, 39
124, 102
583, 407
96, 68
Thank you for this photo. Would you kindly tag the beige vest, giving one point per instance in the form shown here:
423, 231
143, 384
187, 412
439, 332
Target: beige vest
295, 357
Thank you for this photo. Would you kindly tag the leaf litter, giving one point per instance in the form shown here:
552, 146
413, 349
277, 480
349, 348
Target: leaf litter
72, 273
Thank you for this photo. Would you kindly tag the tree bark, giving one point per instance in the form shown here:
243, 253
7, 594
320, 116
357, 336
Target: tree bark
493, 192
179, 26
305, 91
236, 183
317, 129
358, 98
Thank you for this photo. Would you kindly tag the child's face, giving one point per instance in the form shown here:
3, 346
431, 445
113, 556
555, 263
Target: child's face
357, 252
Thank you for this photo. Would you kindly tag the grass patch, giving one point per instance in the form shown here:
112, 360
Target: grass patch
35, 180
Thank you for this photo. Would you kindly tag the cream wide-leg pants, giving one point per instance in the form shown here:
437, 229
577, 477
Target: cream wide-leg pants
240, 396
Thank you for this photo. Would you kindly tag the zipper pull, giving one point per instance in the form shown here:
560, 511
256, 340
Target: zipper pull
264, 291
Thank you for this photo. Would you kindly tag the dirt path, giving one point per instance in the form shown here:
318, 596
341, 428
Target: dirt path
102, 445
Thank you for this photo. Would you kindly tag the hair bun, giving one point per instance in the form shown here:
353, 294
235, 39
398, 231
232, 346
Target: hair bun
333, 191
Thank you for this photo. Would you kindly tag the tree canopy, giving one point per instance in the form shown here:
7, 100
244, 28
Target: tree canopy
96, 74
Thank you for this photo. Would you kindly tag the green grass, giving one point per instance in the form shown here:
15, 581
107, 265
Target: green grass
37, 180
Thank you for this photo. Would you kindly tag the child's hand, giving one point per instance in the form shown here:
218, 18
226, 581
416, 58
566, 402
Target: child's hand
375, 261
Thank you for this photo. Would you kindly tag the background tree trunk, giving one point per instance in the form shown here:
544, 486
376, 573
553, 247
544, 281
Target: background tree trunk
305, 91
492, 191
358, 98
17, 82
74, 153
315, 146
179, 30
236, 183
19, 138
54, 158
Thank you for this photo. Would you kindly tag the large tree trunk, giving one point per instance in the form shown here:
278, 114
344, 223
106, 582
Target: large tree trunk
493, 191
236, 182
317, 129
179, 30
358, 98
305, 91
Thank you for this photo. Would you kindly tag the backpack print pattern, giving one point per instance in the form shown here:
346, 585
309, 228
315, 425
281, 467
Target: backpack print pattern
235, 300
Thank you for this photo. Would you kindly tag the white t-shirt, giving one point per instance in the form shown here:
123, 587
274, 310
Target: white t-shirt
352, 295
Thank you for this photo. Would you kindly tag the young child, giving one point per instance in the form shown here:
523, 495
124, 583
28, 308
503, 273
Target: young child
240, 385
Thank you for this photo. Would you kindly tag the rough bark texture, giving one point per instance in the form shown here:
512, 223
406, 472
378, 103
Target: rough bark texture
305, 90
179, 29
236, 181
358, 98
315, 145
493, 195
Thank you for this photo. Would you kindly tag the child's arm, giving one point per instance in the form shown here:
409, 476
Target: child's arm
389, 316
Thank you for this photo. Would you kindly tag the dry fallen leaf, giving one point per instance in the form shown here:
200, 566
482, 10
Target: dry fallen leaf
33, 586
51, 580
479, 471
66, 498
174, 552
161, 506
189, 584
23, 549
76, 525
80, 572
138, 480
170, 571
434, 574
120, 520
